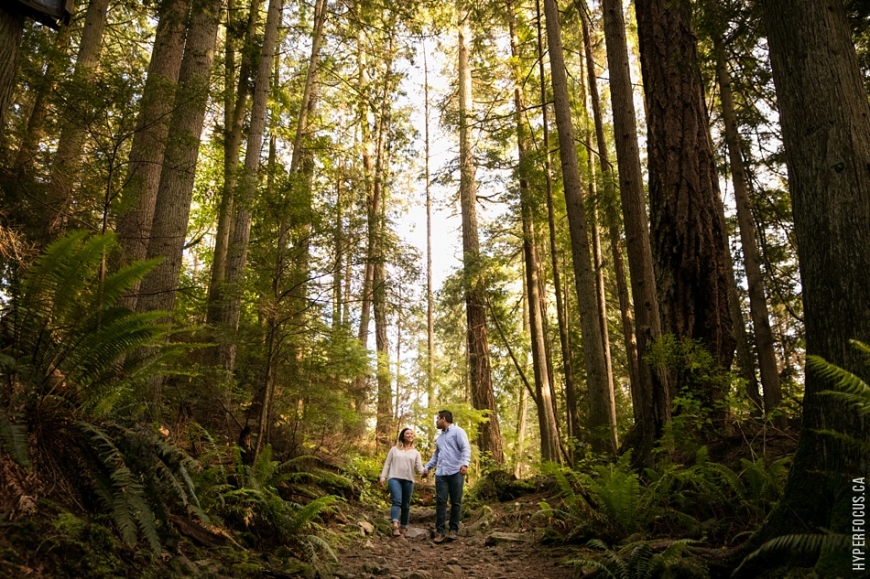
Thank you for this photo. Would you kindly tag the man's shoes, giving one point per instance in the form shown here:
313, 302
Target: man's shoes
396, 531
452, 536
440, 539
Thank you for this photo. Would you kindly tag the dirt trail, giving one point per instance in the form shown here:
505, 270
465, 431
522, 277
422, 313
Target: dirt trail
498, 541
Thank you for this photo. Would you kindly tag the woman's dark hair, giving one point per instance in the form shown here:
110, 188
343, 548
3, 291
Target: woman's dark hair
402, 435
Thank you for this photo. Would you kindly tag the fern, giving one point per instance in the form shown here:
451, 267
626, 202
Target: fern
13, 436
121, 492
808, 544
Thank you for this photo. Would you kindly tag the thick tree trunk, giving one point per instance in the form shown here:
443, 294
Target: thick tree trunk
169, 227
152, 127
600, 409
572, 412
546, 413
687, 238
652, 394
11, 32
67, 159
826, 132
237, 253
767, 363
489, 436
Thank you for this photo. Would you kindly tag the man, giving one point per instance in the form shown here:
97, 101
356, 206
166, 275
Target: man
452, 455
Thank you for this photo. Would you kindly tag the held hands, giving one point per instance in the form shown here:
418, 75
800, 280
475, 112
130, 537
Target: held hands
425, 474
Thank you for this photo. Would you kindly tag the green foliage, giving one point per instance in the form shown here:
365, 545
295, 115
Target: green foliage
71, 354
67, 336
249, 498
635, 560
705, 498
808, 545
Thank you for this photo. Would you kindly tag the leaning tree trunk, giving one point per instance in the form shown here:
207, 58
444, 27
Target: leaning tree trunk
234, 120
600, 409
652, 392
826, 133
687, 238
489, 437
67, 159
152, 127
48, 85
237, 254
767, 363
546, 415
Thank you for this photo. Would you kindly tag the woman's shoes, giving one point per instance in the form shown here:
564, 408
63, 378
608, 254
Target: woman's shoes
396, 531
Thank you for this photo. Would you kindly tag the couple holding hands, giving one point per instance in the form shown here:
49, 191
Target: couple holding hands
451, 458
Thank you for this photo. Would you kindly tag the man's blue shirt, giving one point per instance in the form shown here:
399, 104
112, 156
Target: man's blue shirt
452, 450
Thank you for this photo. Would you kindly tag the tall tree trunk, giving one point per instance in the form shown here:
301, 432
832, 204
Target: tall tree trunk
67, 159
360, 387
826, 133
489, 437
237, 253
767, 363
11, 32
430, 302
688, 240
651, 395
546, 413
234, 117
377, 228
600, 410
572, 410
36, 123
611, 210
152, 128
175, 191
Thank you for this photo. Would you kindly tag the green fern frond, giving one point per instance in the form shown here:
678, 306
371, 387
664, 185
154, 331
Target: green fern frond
318, 542
799, 544
593, 564
13, 435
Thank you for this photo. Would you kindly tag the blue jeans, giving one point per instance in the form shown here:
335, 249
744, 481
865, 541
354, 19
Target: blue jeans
448, 486
400, 492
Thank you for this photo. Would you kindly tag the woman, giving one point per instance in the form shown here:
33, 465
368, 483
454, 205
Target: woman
402, 460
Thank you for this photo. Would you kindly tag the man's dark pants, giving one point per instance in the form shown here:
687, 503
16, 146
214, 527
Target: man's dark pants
448, 486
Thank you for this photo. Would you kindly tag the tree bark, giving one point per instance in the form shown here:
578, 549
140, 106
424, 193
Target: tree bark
600, 410
611, 211
489, 436
573, 412
234, 117
767, 363
546, 414
237, 253
67, 159
826, 132
172, 209
11, 32
139, 195
687, 238
36, 123
652, 396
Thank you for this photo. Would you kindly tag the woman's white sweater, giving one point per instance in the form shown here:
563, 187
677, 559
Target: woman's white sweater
401, 464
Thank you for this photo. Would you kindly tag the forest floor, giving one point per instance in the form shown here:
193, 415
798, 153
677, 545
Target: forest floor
496, 541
